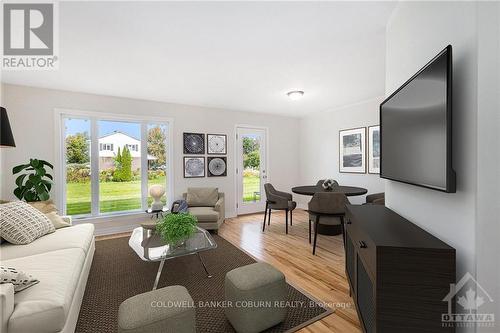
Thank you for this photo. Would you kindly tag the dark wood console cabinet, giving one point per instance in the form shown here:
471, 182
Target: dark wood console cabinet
398, 273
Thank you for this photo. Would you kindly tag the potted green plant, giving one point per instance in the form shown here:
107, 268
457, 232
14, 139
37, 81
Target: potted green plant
174, 229
35, 183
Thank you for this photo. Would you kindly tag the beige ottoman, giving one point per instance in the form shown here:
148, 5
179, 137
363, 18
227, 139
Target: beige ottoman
169, 309
253, 294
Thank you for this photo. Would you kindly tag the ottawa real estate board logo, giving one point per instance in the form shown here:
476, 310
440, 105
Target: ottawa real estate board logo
470, 296
30, 36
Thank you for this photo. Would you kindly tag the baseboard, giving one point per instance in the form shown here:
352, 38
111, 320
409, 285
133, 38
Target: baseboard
100, 231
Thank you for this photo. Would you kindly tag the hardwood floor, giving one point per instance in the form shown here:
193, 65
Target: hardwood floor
322, 275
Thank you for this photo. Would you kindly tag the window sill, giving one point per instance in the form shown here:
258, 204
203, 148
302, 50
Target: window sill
136, 215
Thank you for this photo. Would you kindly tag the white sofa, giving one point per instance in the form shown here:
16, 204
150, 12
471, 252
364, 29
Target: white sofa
61, 261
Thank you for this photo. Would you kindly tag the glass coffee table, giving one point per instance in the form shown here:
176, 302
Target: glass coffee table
150, 247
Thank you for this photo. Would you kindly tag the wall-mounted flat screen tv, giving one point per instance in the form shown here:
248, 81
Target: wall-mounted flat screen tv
415, 128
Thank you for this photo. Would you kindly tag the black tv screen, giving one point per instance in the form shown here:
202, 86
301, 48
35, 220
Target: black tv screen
415, 128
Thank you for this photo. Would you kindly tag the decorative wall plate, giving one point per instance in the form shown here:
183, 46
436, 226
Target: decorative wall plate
194, 167
194, 143
216, 144
217, 166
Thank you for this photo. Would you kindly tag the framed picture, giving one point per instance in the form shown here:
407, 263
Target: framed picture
194, 143
374, 149
217, 166
216, 144
194, 167
352, 151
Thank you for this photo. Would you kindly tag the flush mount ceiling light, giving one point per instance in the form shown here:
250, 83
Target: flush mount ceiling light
295, 94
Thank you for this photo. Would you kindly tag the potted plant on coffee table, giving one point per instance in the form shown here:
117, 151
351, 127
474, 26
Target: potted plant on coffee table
174, 229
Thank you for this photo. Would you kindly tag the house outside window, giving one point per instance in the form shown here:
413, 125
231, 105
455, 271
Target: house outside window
130, 156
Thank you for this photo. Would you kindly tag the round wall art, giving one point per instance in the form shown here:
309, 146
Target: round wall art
194, 143
194, 167
217, 166
216, 144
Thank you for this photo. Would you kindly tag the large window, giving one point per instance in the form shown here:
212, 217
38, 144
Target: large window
109, 164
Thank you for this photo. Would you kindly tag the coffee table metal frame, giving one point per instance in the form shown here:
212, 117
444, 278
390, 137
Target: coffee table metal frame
150, 247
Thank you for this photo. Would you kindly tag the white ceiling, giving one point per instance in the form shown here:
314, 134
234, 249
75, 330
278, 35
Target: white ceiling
240, 56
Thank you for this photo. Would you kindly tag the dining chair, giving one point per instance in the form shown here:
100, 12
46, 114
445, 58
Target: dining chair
327, 209
278, 200
375, 199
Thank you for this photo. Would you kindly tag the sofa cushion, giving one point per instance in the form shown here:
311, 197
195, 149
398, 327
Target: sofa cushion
77, 236
20, 223
202, 196
205, 214
44, 306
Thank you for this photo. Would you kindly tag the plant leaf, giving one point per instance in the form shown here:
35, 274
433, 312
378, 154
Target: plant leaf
35, 179
34, 163
44, 196
48, 186
19, 168
18, 192
48, 175
47, 164
40, 188
19, 180
30, 196
47, 182
41, 171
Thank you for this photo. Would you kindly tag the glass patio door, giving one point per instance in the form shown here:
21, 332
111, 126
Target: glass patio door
251, 169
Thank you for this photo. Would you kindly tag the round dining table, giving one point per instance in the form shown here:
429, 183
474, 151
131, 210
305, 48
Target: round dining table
349, 191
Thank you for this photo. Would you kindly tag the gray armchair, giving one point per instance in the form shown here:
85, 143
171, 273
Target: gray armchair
327, 209
207, 204
279, 201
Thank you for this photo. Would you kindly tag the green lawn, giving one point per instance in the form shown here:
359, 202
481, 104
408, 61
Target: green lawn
124, 196
251, 184
114, 196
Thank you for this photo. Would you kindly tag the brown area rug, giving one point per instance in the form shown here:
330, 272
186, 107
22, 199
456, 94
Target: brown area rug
117, 273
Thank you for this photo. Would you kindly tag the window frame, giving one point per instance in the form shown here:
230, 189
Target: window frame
95, 117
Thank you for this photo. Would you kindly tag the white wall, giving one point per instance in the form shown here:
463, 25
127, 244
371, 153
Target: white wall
31, 112
416, 32
488, 156
319, 146
467, 220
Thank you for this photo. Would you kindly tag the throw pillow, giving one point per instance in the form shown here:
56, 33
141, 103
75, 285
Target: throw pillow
57, 221
19, 279
22, 224
202, 196
49, 209
44, 206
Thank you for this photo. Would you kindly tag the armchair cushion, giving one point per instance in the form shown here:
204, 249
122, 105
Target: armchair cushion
202, 196
205, 214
